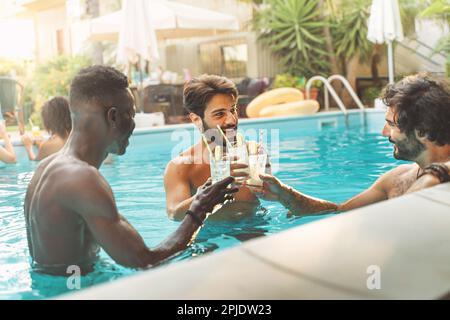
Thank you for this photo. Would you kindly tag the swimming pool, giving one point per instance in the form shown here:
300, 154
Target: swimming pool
319, 155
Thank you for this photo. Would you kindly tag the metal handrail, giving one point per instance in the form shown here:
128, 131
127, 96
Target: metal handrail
348, 87
421, 55
328, 88
408, 41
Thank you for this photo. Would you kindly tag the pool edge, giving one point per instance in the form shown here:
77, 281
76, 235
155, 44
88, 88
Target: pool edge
411, 257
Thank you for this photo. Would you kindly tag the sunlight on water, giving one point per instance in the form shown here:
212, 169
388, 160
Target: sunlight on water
335, 165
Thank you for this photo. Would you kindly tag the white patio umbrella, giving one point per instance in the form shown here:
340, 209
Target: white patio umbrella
385, 26
137, 38
170, 20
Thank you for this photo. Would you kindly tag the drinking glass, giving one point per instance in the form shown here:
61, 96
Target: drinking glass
238, 154
257, 166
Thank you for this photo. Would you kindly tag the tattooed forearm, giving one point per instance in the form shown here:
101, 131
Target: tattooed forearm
299, 204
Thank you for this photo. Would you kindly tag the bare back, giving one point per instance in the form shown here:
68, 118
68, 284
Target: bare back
51, 146
57, 236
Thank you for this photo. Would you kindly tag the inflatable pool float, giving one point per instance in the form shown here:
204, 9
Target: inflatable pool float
296, 108
273, 97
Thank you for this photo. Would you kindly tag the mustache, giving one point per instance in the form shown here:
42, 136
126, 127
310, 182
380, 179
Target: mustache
229, 128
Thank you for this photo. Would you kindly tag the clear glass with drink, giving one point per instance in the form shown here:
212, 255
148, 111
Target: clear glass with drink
238, 153
219, 165
257, 166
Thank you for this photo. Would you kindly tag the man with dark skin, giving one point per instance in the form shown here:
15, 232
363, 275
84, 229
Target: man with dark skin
417, 124
70, 209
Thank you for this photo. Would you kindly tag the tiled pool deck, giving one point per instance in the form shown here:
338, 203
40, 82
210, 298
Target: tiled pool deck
406, 239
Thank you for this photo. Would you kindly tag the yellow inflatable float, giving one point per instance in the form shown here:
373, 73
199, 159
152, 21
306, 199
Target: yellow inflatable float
296, 108
273, 97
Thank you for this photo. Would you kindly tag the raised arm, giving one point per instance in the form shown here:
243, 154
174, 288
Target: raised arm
28, 144
301, 204
92, 198
178, 190
7, 153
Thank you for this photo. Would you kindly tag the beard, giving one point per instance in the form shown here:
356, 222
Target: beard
119, 147
408, 149
213, 134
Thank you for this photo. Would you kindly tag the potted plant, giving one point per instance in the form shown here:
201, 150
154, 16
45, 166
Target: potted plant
314, 89
287, 80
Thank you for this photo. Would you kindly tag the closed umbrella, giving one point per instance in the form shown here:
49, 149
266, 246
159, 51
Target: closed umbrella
137, 38
385, 26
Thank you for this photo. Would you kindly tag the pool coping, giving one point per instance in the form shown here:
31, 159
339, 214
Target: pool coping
16, 141
324, 114
391, 244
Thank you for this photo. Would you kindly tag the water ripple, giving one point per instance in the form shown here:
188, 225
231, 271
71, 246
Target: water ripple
334, 165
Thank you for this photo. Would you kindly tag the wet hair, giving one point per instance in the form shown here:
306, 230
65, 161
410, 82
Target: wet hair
56, 116
423, 104
99, 84
199, 91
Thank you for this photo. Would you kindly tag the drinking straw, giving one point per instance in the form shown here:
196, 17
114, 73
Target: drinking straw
239, 139
223, 134
261, 138
207, 145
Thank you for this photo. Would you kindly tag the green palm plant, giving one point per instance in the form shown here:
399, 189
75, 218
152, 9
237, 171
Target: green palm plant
350, 30
293, 31
439, 10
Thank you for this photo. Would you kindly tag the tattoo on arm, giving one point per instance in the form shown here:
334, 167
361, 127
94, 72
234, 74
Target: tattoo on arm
299, 204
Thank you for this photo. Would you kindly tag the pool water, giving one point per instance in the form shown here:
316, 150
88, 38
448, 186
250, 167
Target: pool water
335, 164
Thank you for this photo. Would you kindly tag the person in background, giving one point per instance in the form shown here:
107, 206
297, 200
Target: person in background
56, 117
7, 153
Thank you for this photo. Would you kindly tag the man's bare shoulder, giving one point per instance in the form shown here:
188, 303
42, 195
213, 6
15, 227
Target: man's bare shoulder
67, 171
402, 169
396, 181
386, 180
183, 162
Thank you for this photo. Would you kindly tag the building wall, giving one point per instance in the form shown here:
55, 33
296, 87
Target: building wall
241, 10
182, 54
49, 25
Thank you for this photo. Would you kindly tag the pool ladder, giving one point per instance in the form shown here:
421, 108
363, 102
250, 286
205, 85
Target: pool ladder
329, 89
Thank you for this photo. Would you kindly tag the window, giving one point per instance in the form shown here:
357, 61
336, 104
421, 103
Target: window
224, 57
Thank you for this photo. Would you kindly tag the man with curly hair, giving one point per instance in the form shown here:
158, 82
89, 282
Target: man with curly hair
417, 124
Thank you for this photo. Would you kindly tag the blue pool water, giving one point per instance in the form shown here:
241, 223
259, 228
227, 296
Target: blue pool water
334, 163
